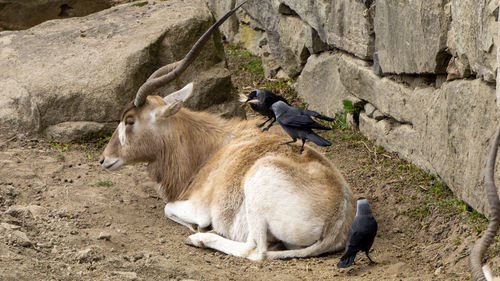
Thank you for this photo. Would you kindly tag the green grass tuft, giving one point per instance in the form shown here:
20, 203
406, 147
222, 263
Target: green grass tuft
139, 4
105, 183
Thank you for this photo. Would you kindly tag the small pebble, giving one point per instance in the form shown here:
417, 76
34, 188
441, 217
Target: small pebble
104, 236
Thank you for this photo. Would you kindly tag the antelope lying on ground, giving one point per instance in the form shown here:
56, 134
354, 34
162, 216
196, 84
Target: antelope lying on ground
228, 176
480, 247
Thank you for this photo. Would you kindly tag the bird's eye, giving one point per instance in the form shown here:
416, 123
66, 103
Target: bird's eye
129, 122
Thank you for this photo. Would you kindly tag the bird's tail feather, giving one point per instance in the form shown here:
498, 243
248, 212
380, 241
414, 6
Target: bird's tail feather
318, 140
326, 118
346, 261
317, 115
318, 126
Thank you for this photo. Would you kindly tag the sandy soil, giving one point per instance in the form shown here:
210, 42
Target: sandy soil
62, 217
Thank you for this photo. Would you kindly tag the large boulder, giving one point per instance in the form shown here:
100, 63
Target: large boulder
343, 24
21, 14
474, 29
87, 69
411, 36
297, 41
220, 7
320, 83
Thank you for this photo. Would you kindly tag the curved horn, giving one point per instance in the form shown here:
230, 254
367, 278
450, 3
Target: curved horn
165, 74
482, 244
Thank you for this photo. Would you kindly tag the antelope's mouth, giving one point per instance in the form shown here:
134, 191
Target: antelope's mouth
111, 163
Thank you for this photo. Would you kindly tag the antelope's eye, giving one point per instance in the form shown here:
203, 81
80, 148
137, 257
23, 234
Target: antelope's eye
129, 121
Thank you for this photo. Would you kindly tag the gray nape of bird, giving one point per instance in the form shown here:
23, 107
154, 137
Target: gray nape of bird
261, 101
298, 124
361, 234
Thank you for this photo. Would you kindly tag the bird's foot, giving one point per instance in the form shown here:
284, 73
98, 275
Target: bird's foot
285, 142
301, 150
260, 125
265, 129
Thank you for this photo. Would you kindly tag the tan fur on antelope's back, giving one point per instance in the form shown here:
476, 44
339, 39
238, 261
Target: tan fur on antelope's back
314, 179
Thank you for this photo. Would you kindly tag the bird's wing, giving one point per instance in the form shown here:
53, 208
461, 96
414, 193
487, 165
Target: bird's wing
315, 114
297, 121
363, 233
300, 121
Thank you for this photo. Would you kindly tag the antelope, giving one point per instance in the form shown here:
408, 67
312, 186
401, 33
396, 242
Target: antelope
237, 189
480, 247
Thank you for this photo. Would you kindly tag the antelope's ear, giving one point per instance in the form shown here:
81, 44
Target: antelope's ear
163, 112
180, 95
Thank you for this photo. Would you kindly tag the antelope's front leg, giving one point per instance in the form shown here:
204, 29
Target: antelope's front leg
214, 241
191, 216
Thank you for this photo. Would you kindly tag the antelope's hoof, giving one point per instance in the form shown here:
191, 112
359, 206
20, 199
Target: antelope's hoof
193, 241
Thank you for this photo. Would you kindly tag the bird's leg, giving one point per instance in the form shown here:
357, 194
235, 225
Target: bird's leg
269, 126
302, 147
260, 125
368, 256
288, 142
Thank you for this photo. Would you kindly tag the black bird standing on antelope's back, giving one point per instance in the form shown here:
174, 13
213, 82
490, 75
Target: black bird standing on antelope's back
361, 234
261, 101
298, 124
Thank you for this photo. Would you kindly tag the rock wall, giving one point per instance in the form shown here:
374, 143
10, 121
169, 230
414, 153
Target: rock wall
423, 70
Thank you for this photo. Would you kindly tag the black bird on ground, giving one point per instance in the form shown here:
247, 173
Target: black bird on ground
361, 234
261, 101
298, 123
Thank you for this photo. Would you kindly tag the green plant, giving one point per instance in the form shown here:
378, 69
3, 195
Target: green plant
237, 51
105, 183
139, 4
340, 122
254, 65
350, 108
418, 213
63, 147
437, 188
380, 149
4, 27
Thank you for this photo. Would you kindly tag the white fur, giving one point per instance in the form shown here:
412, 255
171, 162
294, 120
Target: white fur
271, 211
187, 214
121, 134
488, 275
182, 94
271, 200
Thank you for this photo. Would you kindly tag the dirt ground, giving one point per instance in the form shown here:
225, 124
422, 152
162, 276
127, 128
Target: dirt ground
62, 217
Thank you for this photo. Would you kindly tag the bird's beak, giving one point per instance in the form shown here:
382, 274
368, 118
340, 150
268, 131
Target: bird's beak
243, 98
249, 100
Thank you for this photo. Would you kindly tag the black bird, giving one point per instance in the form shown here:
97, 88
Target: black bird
261, 101
298, 123
361, 234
